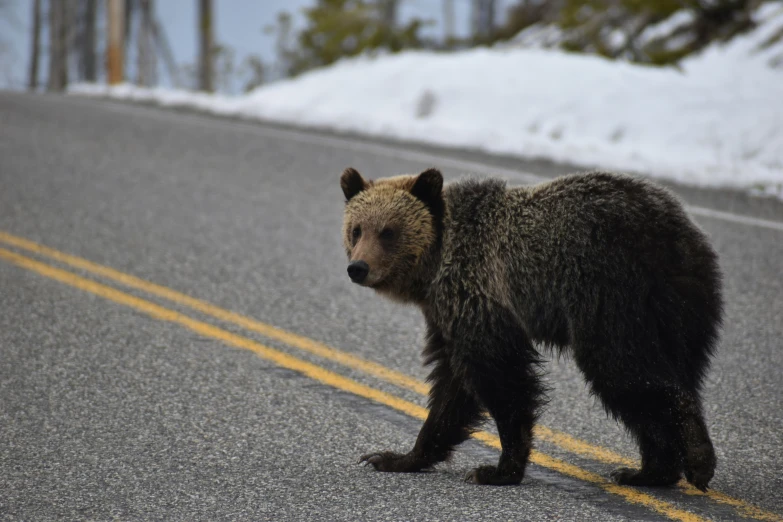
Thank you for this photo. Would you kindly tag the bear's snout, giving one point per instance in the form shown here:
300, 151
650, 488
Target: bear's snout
358, 270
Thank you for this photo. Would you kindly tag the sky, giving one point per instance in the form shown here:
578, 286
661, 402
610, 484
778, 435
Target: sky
239, 24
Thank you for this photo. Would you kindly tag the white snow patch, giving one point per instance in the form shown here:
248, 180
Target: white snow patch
717, 122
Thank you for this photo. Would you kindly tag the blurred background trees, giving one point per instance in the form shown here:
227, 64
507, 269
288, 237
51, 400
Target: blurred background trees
648, 31
69, 39
341, 28
659, 32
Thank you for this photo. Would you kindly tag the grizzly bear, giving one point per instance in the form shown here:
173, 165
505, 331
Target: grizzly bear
606, 265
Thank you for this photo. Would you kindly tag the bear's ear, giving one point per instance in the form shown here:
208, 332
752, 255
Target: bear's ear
428, 187
352, 183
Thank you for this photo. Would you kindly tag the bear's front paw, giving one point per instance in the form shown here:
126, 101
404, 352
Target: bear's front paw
393, 462
491, 476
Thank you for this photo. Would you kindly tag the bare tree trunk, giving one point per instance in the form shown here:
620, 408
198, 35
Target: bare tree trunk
448, 21
127, 23
389, 12
145, 74
284, 63
54, 52
115, 47
142, 48
65, 40
35, 46
152, 63
206, 76
58, 50
483, 19
165, 50
70, 36
88, 41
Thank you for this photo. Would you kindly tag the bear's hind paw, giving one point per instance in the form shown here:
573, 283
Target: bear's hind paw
489, 475
635, 477
699, 479
700, 466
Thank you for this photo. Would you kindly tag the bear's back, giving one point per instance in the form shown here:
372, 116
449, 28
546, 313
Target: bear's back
586, 216
548, 249
577, 215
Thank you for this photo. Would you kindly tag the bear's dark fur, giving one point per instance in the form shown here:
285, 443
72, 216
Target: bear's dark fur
607, 265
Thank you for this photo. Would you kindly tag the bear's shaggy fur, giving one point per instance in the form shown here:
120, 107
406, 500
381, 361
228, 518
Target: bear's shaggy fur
607, 265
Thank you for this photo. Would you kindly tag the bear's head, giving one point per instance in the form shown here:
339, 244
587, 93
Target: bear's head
391, 227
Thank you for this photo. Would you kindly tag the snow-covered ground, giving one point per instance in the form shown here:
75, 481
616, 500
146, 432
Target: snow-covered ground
718, 121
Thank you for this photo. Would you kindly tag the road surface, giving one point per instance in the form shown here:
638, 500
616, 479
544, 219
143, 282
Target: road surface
180, 341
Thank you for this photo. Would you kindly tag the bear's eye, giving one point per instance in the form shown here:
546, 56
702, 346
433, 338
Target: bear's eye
356, 233
387, 234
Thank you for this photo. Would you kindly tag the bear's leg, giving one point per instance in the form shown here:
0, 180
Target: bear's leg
650, 413
514, 416
650, 395
454, 414
672, 437
501, 366
661, 450
700, 460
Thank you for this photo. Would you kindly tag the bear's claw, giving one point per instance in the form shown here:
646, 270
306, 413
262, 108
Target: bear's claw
371, 458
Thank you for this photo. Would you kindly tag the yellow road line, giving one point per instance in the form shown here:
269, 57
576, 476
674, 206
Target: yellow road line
560, 439
297, 341
327, 377
289, 338
744, 509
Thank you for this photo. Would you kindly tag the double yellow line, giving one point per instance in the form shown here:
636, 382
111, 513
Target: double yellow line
330, 378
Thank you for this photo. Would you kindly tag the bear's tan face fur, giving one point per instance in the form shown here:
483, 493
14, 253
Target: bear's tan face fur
387, 224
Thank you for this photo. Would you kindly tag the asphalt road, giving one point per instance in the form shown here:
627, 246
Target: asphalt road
113, 407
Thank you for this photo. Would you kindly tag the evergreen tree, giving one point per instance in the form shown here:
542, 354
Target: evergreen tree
341, 28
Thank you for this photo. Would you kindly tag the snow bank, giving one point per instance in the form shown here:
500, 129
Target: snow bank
718, 121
